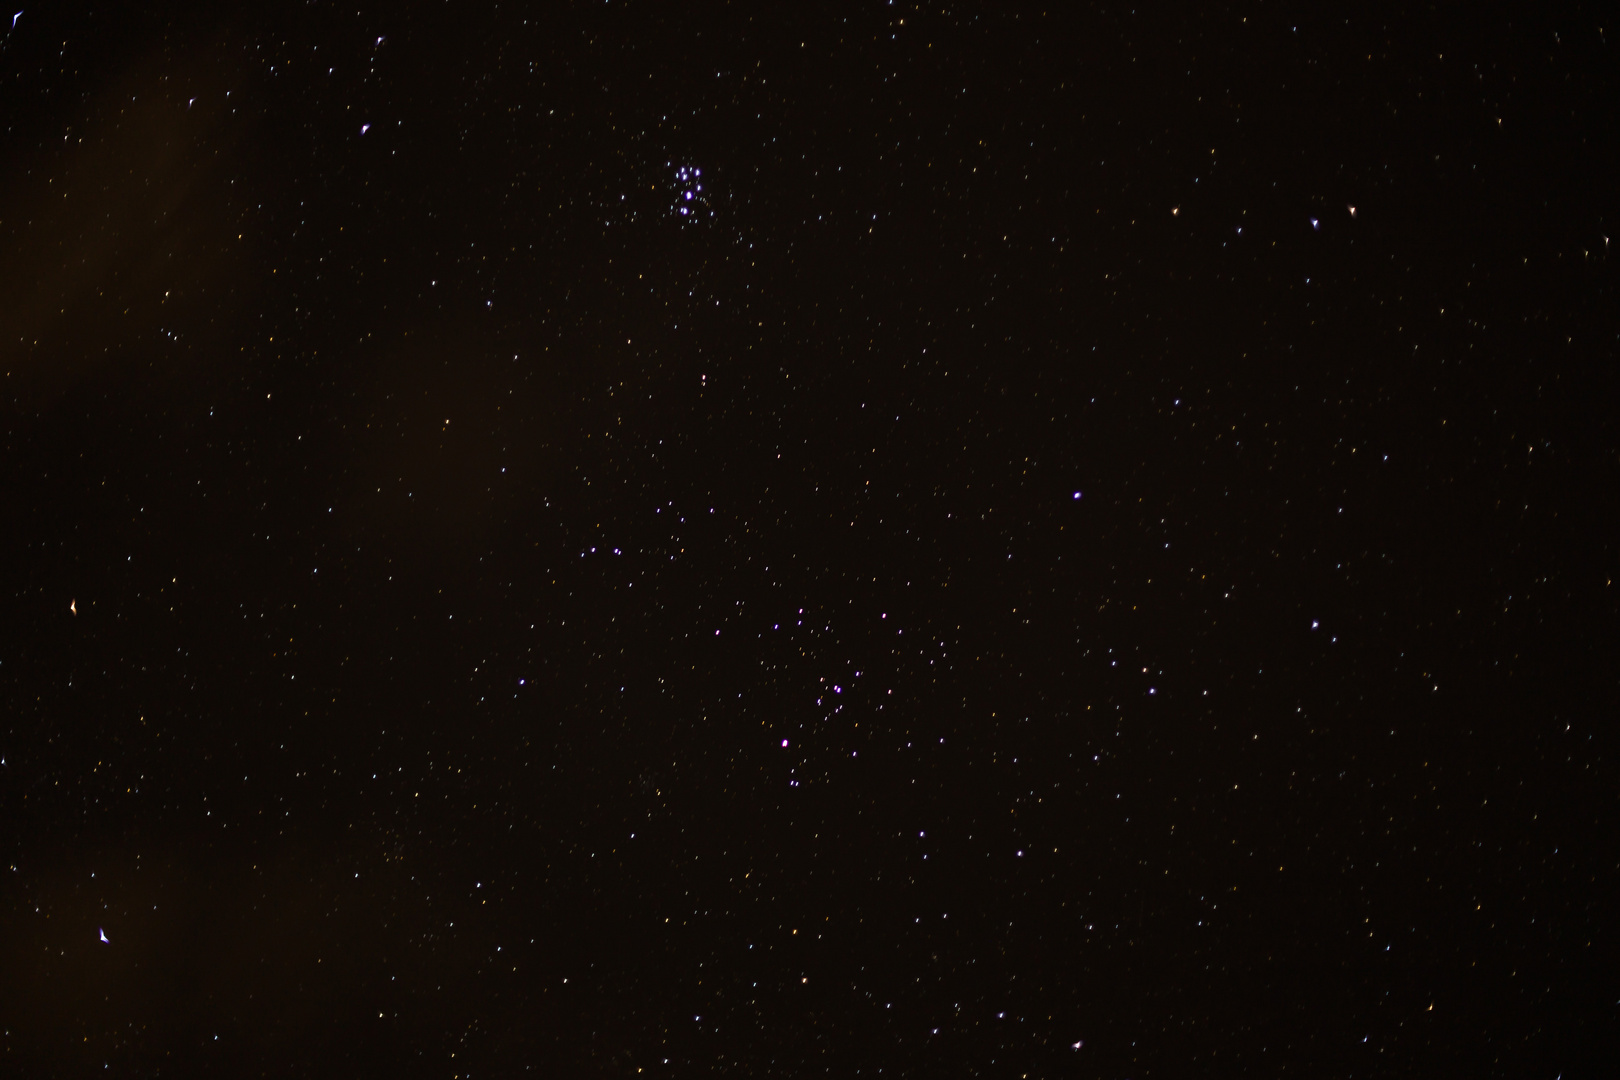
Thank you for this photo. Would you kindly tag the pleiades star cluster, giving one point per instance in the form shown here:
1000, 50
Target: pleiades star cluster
856, 540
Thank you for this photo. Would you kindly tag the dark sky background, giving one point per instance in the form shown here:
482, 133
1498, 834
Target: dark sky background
624, 539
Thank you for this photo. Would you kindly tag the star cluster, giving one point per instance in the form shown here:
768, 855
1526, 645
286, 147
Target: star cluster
895, 540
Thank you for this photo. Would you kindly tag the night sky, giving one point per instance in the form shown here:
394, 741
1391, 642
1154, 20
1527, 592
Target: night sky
624, 539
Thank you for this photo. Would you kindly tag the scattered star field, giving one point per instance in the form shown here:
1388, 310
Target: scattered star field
860, 540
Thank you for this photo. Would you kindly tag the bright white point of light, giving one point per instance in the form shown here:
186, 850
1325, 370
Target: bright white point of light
1077, 494
1315, 224
784, 744
1314, 624
103, 934
1078, 1045
364, 128
1352, 210
14, 19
